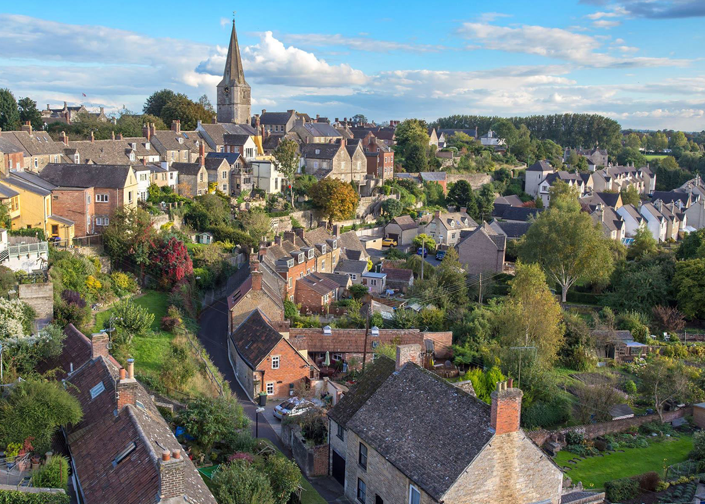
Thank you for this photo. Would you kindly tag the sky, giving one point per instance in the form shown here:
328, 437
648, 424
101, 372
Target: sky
637, 61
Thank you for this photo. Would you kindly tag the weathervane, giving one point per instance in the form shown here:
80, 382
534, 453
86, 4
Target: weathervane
234, 16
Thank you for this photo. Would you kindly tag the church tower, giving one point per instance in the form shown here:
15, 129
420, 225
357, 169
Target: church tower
233, 91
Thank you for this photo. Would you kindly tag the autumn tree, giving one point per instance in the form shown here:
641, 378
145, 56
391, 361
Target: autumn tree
530, 317
257, 223
288, 160
665, 380
337, 199
568, 246
172, 262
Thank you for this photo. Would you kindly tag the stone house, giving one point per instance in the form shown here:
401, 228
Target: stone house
316, 132
392, 456
656, 222
611, 221
242, 144
218, 172
326, 251
322, 159
174, 145
354, 269
262, 289
400, 279
380, 158
581, 181
193, 179
358, 162
291, 258
633, 221
278, 122
38, 148
402, 229
534, 175
439, 178
264, 360
112, 187
64, 114
267, 177
240, 171
445, 228
163, 175
315, 293
214, 134
116, 151
122, 447
11, 156
482, 250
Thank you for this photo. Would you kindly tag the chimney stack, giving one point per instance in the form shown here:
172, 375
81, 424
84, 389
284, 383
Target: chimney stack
92, 137
171, 476
463, 209
202, 153
147, 131
27, 126
176, 126
336, 230
64, 138
127, 386
256, 275
119, 136
99, 345
144, 161
408, 353
112, 135
506, 408
215, 119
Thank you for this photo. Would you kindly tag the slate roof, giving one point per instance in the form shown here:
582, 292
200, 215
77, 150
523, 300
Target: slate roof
405, 222
540, 166
230, 157
583, 497
318, 283
522, 214
186, 168
214, 163
7, 192
235, 139
83, 175
8, 147
497, 239
513, 230
348, 266
20, 183
325, 150
319, 129
610, 199
373, 378
413, 421
340, 280
275, 118
670, 196
255, 338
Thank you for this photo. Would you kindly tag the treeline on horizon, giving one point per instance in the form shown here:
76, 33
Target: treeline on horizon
568, 130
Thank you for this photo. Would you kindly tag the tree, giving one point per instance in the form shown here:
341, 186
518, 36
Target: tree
424, 240
284, 476
392, 207
630, 196
34, 410
668, 318
172, 262
239, 482
564, 196
568, 246
485, 203
644, 244
416, 158
181, 108
642, 284
9, 114
691, 246
358, 291
505, 130
689, 284
678, 140
595, 402
257, 223
288, 159
210, 420
359, 119
461, 195
665, 380
337, 199
633, 141
531, 317
412, 144
130, 237
129, 320
30, 113
582, 166
434, 194
157, 101
204, 102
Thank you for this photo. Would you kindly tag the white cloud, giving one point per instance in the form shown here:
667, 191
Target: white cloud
362, 43
603, 23
555, 43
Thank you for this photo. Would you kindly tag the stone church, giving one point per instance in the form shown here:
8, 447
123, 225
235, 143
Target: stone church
234, 91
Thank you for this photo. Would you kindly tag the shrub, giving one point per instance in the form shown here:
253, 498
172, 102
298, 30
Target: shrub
178, 367
17, 497
54, 474
698, 452
131, 319
240, 482
630, 387
123, 283
620, 490
600, 445
649, 481
546, 414
574, 437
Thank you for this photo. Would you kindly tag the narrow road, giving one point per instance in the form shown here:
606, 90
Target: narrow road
212, 331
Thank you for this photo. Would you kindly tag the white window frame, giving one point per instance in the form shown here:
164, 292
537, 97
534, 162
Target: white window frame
269, 386
413, 489
276, 361
102, 198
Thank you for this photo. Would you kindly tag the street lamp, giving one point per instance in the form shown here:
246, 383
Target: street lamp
257, 412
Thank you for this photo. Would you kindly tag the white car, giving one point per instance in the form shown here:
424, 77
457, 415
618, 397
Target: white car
293, 407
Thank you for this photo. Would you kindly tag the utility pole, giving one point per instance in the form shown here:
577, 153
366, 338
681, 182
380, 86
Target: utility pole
367, 331
479, 295
423, 251
521, 349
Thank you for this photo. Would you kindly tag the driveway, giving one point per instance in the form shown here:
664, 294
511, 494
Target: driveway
212, 331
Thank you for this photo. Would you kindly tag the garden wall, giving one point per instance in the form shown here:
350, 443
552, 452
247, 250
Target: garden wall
600, 429
313, 461
476, 180
40, 297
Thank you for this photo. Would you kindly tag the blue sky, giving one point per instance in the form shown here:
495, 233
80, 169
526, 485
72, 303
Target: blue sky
638, 61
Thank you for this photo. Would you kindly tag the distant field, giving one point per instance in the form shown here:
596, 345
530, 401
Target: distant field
655, 156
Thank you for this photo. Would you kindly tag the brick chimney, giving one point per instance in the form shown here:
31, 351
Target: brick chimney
99, 345
144, 161
437, 213
408, 353
176, 126
147, 131
119, 136
127, 386
256, 275
63, 137
171, 475
463, 209
202, 154
27, 126
506, 408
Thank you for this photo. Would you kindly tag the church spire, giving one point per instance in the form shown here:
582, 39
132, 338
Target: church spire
233, 73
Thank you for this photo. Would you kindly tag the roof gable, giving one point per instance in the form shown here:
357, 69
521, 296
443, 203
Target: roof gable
255, 338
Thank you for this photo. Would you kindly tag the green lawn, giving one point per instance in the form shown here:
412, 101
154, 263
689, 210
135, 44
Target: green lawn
650, 157
309, 494
595, 471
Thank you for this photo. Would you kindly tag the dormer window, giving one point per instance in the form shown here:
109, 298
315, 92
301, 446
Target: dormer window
374, 331
147, 145
181, 140
335, 244
301, 258
133, 145
290, 263
323, 248
327, 331
76, 158
318, 151
310, 254
132, 156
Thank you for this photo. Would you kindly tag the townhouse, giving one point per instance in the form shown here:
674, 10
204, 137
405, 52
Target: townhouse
38, 148
336, 160
445, 228
174, 145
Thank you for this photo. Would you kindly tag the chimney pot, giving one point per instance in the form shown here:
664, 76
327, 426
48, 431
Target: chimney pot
123, 374
131, 369
176, 454
166, 455
92, 137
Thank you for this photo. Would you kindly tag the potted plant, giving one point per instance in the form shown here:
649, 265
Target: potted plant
11, 452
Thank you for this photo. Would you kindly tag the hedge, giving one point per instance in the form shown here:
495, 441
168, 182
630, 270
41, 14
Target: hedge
38, 232
17, 497
621, 490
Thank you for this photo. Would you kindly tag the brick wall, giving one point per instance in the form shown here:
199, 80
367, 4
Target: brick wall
313, 461
292, 369
310, 299
77, 205
41, 298
480, 255
600, 429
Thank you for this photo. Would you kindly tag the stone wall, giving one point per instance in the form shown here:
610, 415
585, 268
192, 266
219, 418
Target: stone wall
40, 297
476, 180
600, 429
313, 461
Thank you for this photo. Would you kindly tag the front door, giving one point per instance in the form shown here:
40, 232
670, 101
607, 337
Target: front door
338, 468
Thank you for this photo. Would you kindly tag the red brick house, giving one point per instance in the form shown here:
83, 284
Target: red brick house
291, 258
380, 157
11, 156
315, 293
264, 360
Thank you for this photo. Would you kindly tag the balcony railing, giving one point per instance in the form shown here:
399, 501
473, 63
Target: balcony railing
37, 248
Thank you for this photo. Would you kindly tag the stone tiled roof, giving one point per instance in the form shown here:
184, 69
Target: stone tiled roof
319, 129
217, 131
348, 266
457, 220
350, 241
275, 118
373, 378
112, 152
413, 421
353, 340
405, 222
167, 140
540, 166
318, 283
187, 168
83, 175
255, 338
497, 239
320, 150
398, 274
8, 147
523, 214
583, 497
39, 143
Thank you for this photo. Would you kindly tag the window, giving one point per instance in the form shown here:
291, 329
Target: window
224, 175
225, 187
315, 165
129, 196
323, 264
124, 454
362, 456
200, 177
361, 491
97, 390
414, 495
378, 499
288, 282
341, 433
276, 184
36, 162
270, 388
275, 362
353, 276
101, 198
337, 357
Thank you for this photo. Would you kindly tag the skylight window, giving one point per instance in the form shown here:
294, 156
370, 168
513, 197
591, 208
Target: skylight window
97, 390
124, 454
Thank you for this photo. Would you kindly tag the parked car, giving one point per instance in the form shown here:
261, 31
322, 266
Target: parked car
389, 242
422, 251
440, 255
294, 406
